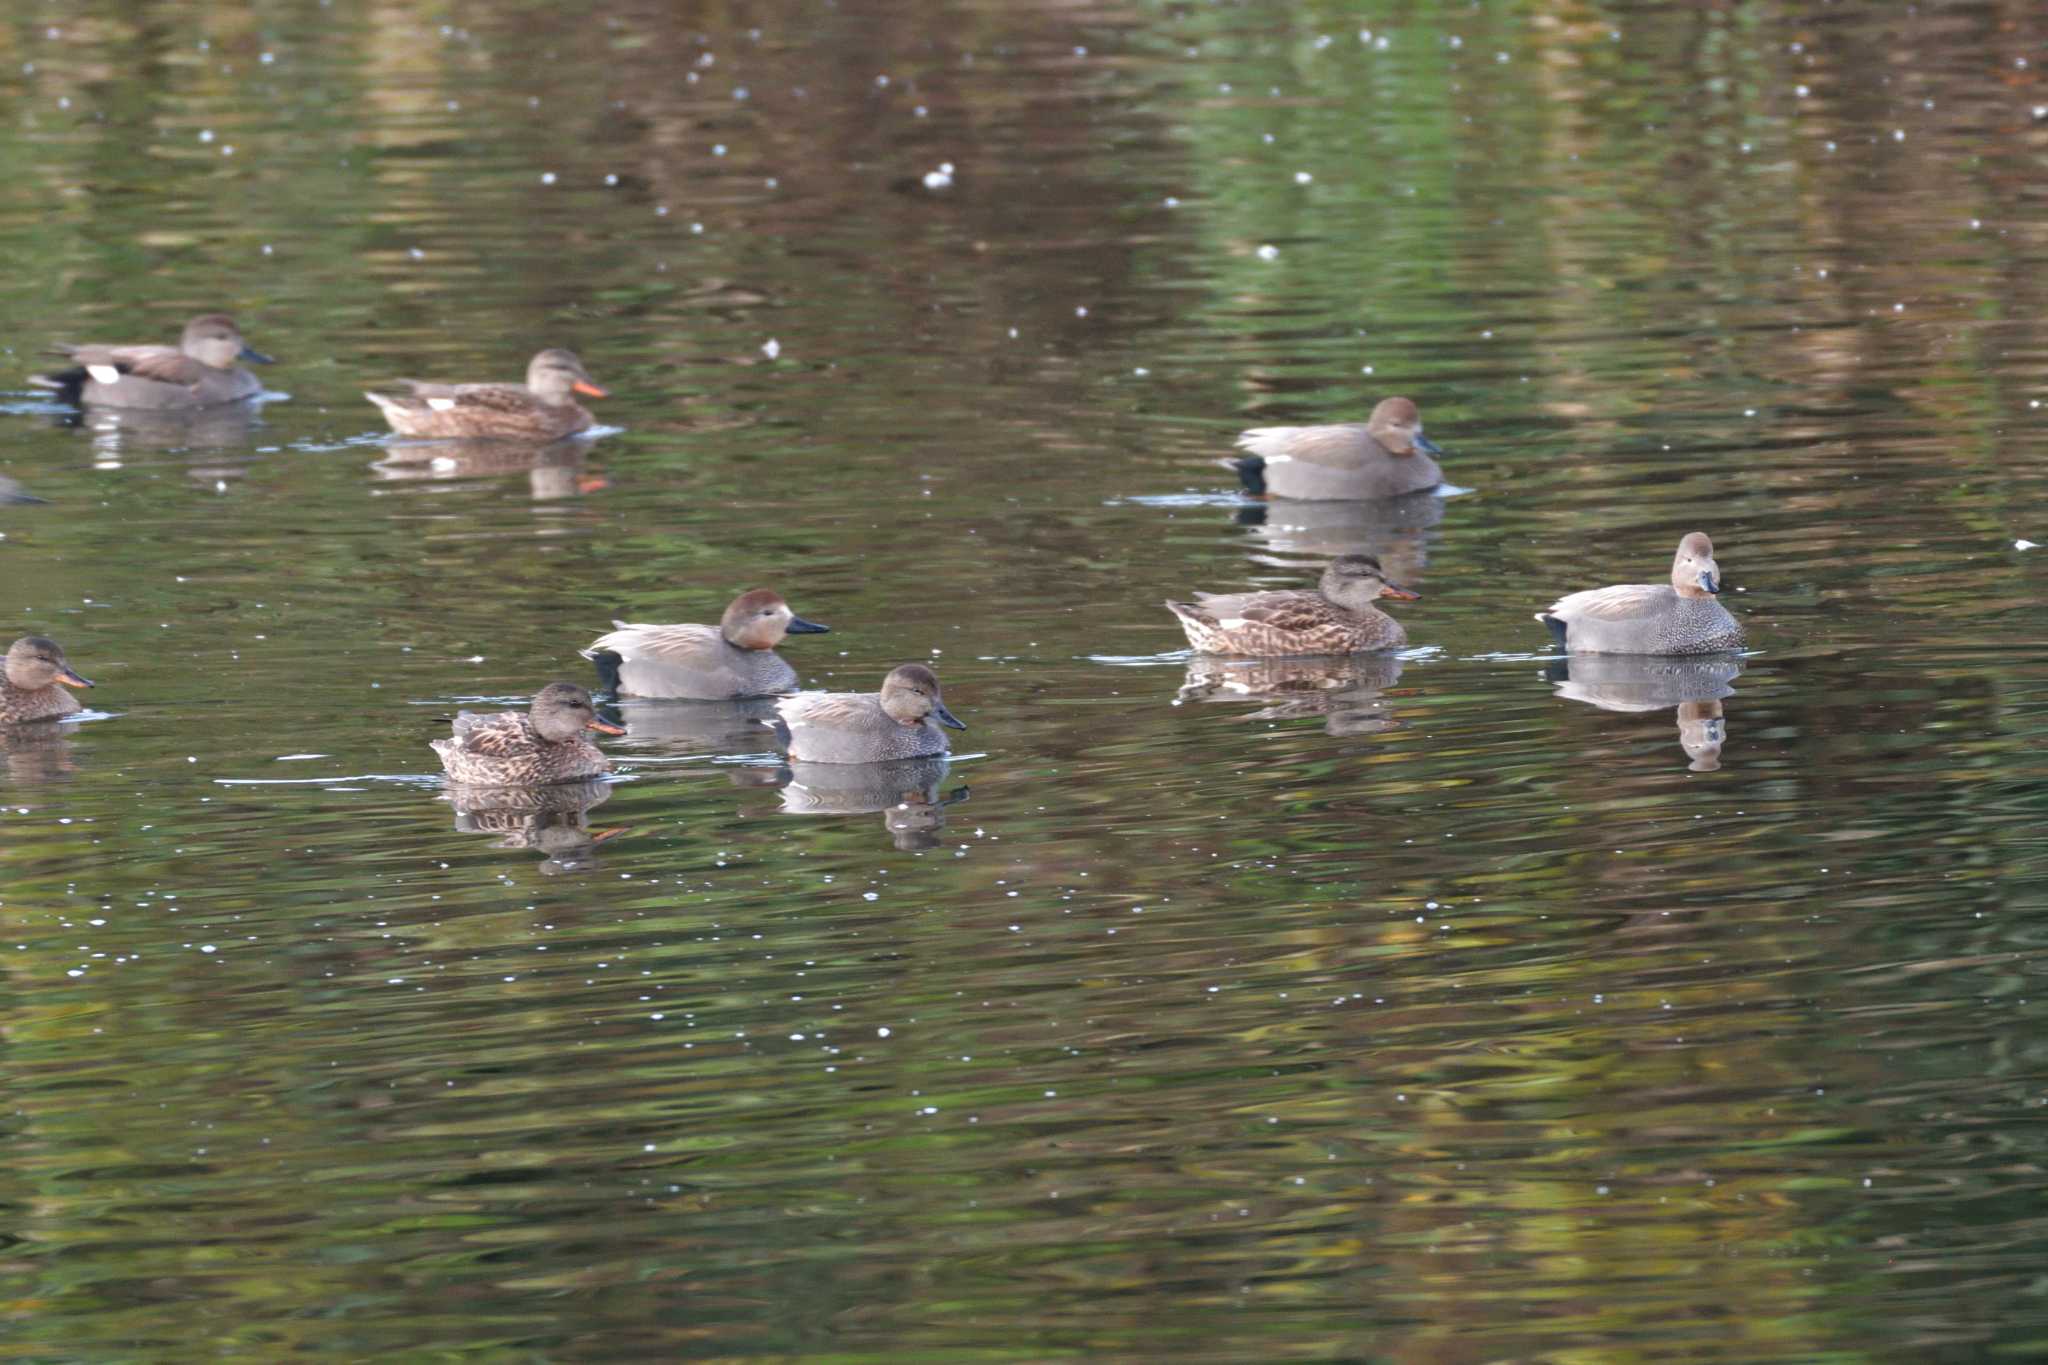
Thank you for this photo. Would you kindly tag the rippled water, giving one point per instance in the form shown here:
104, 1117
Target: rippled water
1441, 1006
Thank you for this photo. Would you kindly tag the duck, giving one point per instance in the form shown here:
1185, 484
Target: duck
1338, 617
1383, 457
201, 371
29, 681
900, 721
545, 745
1679, 617
541, 409
735, 658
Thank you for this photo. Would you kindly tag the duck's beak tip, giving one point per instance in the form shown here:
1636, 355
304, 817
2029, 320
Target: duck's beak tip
254, 356
1400, 594
72, 679
948, 719
799, 626
604, 727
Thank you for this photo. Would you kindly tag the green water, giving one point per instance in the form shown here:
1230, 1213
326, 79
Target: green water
1419, 1012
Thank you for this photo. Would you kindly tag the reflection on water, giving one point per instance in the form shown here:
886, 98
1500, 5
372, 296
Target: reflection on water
213, 443
906, 791
556, 469
1202, 1032
36, 753
1346, 691
552, 820
1693, 683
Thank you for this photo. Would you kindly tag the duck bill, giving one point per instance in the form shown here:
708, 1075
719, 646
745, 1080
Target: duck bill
1710, 583
256, 357
71, 679
603, 726
945, 717
1427, 446
799, 626
1399, 593
589, 390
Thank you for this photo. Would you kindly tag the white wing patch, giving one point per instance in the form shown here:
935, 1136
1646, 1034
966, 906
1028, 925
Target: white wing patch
105, 374
440, 404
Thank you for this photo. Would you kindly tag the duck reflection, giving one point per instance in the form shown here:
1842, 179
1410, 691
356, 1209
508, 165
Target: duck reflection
1392, 530
905, 790
1344, 690
554, 470
217, 442
552, 820
1694, 684
37, 751
695, 729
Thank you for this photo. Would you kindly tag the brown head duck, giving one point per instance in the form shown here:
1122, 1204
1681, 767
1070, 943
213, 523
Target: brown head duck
544, 408
1338, 617
1383, 457
735, 658
202, 370
1679, 617
544, 745
33, 680
900, 721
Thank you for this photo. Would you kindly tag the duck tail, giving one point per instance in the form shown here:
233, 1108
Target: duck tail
608, 663
1557, 626
68, 385
1251, 471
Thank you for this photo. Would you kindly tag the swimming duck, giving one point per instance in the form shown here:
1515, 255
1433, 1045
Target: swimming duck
546, 745
200, 371
541, 409
1337, 618
1380, 458
29, 681
1680, 617
868, 727
735, 658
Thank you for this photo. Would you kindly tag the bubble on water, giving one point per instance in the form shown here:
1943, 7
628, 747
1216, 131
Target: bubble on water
547, 177
771, 348
1269, 252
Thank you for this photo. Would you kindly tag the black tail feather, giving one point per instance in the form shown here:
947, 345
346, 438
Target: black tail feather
68, 385
1557, 628
1252, 470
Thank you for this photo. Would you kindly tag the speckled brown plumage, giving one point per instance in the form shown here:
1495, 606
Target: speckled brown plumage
33, 679
545, 745
541, 409
1338, 617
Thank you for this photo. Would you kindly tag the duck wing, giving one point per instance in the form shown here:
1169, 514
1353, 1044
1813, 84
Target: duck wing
506, 734
1621, 602
164, 364
1337, 444
687, 646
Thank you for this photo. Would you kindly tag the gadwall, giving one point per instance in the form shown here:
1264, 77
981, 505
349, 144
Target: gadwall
1381, 458
541, 409
199, 372
735, 658
1337, 618
513, 750
1680, 617
868, 727
29, 684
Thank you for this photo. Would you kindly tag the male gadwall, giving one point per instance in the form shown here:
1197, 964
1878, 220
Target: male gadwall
199, 372
1337, 618
29, 684
1382, 458
868, 727
541, 409
546, 745
1680, 617
735, 658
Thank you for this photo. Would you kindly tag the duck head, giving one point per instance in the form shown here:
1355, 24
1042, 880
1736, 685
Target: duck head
213, 339
36, 661
759, 620
1397, 425
562, 711
554, 374
1355, 581
911, 693
1693, 570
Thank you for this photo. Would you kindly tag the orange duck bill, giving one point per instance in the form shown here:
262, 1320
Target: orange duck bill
604, 727
71, 679
590, 390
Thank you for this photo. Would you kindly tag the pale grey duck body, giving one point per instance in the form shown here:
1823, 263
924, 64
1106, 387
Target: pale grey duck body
1679, 617
202, 370
900, 721
1385, 457
732, 660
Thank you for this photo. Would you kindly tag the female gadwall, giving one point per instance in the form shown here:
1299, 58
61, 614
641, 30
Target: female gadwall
541, 409
868, 727
1381, 458
199, 372
1337, 618
735, 658
1680, 617
29, 684
546, 745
